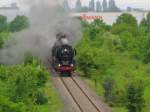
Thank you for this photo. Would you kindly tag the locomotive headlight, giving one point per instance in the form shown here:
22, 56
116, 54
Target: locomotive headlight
72, 65
65, 50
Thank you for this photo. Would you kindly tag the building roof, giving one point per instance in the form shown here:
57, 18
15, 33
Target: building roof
13, 6
9, 8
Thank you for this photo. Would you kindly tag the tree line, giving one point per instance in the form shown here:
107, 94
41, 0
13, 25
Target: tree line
97, 6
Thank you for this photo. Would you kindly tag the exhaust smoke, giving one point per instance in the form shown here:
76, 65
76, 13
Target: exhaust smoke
47, 18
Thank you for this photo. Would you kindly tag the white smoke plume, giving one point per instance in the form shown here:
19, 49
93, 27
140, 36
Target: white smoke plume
47, 18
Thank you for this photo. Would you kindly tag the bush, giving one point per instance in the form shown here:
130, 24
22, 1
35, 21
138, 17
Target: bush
22, 84
40, 98
8, 106
85, 62
28, 59
25, 82
3, 23
135, 100
147, 57
19, 23
3, 37
108, 85
42, 78
94, 58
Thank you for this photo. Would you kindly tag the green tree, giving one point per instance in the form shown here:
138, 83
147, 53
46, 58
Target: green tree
146, 23
3, 23
125, 23
127, 18
112, 42
96, 27
19, 23
135, 99
100, 24
92, 58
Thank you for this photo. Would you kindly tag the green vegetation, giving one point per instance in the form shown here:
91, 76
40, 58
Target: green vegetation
16, 25
109, 94
26, 87
111, 58
19, 23
135, 100
3, 23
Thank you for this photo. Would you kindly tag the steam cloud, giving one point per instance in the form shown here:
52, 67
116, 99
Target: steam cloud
47, 18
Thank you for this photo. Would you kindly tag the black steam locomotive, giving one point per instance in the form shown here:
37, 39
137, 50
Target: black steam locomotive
63, 58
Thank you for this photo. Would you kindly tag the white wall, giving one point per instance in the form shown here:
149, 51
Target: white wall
111, 17
10, 13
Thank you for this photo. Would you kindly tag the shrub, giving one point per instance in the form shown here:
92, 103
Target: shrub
40, 98
8, 106
135, 100
19, 23
108, 85
3, 23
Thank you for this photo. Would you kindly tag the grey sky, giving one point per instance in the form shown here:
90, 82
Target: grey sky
145, 4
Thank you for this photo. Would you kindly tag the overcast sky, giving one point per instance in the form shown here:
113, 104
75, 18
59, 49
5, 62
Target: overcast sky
145, 4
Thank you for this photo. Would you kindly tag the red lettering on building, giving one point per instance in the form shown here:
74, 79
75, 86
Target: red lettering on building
89, 17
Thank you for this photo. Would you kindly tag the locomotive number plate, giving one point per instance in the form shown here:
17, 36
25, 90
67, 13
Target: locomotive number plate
65, 62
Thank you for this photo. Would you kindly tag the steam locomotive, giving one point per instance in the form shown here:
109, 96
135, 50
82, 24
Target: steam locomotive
63, 58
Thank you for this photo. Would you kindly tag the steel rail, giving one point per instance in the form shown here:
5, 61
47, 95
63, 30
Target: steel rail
85, 94
71, 94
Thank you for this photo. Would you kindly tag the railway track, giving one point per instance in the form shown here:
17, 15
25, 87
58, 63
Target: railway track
74, 99
79, 96
92, 102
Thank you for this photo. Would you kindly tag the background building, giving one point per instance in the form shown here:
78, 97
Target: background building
10, 11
